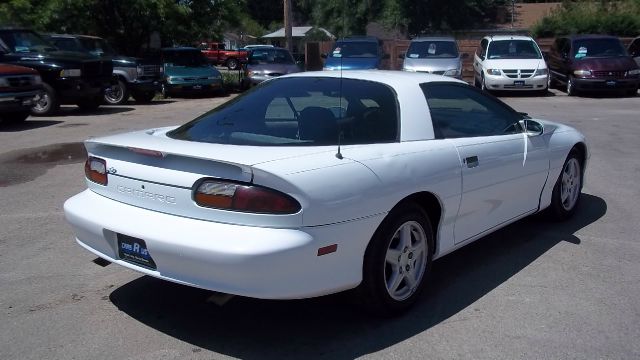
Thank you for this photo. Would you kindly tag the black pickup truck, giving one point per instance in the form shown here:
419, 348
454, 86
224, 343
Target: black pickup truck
68, 77
138, 77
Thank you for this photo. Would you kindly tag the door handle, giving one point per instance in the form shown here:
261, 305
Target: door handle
471, 161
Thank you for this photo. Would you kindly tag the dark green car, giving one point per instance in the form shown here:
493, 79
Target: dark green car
186, 70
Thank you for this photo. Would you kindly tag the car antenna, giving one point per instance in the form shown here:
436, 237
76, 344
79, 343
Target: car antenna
339, 154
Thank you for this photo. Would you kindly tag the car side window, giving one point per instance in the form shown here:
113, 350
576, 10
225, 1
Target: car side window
66, 44
459, 111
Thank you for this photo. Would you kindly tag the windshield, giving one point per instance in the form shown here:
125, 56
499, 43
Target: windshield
513, 49
300, 111
351, 49
97, 46
270, 56
432, 49
597, 48
24, 41
190, 58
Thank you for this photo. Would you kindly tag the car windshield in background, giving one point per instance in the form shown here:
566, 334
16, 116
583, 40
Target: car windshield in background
97, 46
301, 111
270, 56
513, 49
364, 49
597, 48
24, 41
184, 58
432, 49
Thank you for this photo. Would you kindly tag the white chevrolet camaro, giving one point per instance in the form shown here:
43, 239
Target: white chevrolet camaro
320, 182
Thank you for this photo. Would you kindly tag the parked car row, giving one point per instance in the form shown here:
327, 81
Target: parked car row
579, 63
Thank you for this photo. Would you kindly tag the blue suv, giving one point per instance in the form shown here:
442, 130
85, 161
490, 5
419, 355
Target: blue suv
355, 53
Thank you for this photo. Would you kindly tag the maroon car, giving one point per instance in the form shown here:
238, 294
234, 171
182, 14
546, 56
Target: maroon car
20, 87
592, 63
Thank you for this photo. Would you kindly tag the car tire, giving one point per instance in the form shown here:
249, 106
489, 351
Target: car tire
144, 97
571, 89
164, 91
117, 94
397, 261
48, 103
632, 93
91, 104
14, 117
483, 85
568, 188
233, 64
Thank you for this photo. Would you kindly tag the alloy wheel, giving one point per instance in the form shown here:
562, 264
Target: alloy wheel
405, 260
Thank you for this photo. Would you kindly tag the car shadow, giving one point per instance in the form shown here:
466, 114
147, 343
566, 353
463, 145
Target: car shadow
522, 94
102, 110
29, 124
334, 326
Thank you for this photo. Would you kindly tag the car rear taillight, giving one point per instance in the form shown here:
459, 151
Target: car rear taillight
96, 170
227, 195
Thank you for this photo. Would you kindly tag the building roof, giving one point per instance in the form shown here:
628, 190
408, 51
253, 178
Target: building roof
297, 32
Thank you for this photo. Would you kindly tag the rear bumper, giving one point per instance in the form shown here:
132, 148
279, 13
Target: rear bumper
605, 84
250, 261
505, 83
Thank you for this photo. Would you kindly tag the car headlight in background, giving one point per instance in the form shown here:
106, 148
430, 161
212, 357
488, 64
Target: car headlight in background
70, 73
452, 72
4, 82
582, 73
409, 69
633, 72
140, 70
494, 71
540, 72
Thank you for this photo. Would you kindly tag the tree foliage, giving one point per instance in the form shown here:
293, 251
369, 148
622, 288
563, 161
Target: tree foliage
621, 18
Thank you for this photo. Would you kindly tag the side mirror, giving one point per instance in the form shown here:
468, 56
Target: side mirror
532, 127
465, 55
323, 55
401, 56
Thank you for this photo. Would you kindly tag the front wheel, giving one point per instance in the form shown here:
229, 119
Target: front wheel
397, 261
568, 188
571, 88
117, 94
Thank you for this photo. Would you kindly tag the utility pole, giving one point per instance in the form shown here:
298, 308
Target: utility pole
287, 25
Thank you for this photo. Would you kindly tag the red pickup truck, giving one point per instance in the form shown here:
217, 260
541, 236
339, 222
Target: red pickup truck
217, 55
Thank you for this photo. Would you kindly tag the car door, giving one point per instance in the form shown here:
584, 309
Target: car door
503, 169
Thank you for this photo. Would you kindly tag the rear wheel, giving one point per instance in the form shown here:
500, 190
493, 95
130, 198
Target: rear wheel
90, 104
144, 97
397, 261
117, 94
571, 89
232, 64
47, 104
14, 118
568, 188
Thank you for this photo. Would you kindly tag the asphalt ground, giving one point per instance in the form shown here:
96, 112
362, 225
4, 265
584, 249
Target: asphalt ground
534, 290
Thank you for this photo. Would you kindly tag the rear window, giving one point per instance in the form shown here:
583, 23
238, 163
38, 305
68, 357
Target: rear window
432, 49
513, 49
355, 49
302, 111
270, 56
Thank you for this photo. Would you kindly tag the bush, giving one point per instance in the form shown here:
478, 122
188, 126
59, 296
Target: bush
620, 18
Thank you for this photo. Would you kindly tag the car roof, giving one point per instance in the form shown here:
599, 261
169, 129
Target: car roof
591, 36
392, 78
508, 37
434, 38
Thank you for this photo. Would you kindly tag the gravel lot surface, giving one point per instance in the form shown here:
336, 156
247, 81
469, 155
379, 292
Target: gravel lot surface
534, 290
